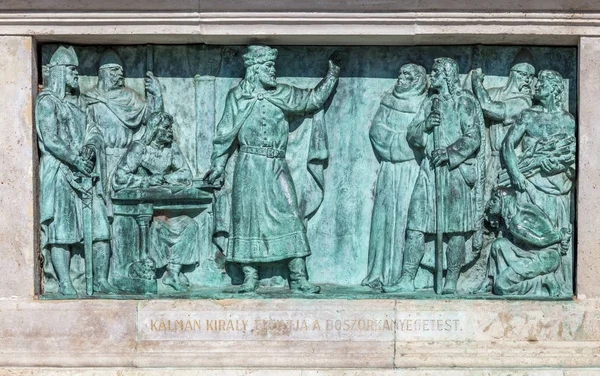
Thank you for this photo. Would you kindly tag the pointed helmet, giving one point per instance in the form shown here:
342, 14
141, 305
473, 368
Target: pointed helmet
63, 57
110, 58
523, 61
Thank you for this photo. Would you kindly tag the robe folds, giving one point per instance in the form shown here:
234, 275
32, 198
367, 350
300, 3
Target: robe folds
461, 133
62, 133
119, 115
265, 222
527, 263
396, 179
174, 240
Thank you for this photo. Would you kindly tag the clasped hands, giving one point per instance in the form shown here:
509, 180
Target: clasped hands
86, 160
158, 180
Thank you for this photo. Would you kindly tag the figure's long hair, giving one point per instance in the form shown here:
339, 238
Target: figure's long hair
450, 67
557, 83
152, 126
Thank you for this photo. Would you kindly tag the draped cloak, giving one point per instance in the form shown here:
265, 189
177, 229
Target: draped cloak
461, 134
265, 220
396, 179
62, 132
119, 114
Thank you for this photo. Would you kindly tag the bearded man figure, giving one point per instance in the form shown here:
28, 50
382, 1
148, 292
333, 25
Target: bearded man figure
157, 161
501, 106
397, 175
266, 223
119, 111
69, 149
448, 129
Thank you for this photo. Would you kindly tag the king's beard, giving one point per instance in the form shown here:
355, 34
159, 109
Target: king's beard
268, 82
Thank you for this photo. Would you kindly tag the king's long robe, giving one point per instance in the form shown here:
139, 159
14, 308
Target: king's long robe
266, 223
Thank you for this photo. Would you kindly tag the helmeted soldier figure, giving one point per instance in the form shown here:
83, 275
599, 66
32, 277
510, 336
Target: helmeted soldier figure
69, 148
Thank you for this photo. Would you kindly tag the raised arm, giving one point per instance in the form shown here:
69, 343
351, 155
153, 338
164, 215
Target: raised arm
324, 89
301, 101
514, 136
153, 93
494, 110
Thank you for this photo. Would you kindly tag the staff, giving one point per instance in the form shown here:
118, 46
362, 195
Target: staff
439, 208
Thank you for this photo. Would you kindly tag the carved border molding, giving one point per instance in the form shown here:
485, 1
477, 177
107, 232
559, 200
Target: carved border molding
302, 5
302, 27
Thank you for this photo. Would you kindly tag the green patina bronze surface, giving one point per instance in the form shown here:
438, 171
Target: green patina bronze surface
342, 172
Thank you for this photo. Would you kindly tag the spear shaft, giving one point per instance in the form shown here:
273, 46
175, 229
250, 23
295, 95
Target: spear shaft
439, 209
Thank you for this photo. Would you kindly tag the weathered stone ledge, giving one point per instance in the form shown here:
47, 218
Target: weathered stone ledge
300, 334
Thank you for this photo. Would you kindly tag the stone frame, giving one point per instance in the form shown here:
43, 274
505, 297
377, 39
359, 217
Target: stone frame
499, 334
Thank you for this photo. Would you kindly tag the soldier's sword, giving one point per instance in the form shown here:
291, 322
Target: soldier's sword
88, 228
439, 210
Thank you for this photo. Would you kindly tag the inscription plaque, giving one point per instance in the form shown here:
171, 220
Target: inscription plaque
297, 325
